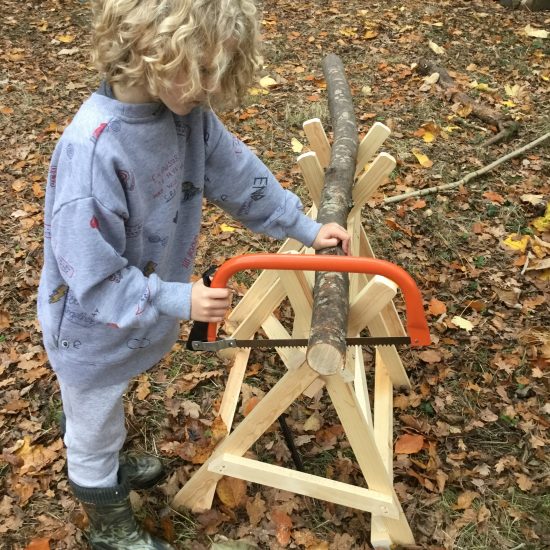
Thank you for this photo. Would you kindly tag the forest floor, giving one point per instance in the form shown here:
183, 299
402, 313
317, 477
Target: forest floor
477, 477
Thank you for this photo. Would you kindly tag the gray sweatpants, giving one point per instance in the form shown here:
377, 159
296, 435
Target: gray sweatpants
95, 433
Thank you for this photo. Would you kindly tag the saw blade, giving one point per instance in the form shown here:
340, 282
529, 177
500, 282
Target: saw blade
295, 343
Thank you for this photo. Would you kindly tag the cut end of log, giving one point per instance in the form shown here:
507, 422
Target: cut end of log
325, 359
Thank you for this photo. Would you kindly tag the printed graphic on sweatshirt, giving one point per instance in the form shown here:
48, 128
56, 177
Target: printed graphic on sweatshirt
182, 130
259, 187
57, 294
53, 175
115, 277
149, 268
188, 191
138, 343
65, 267
143, 301
133, 231
237, 146
175, 218
70, 151
94, 224
127, 179
47, 230
190, 253
98, 131
74, 313
167, 179
157, 239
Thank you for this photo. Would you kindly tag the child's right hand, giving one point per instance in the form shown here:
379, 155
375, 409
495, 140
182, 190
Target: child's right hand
209, 304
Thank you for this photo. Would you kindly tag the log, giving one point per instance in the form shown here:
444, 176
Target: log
506, 127
326, 352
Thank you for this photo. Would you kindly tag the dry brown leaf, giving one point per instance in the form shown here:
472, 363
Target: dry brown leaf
436, 307
38, 544
430, 356
409, 444
465, 500
232, 492
524, 483
255, 508
283, 524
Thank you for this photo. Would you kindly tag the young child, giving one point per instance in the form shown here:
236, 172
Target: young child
122, 221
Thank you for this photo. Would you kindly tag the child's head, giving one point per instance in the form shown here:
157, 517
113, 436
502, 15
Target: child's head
211, 44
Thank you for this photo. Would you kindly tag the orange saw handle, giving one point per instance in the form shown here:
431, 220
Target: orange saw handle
417, 326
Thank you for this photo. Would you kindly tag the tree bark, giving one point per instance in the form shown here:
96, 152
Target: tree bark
326, 352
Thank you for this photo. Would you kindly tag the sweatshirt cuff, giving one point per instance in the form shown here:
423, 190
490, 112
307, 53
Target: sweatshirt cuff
174, 299
304, 230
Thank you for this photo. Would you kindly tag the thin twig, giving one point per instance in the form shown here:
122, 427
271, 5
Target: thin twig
470, 176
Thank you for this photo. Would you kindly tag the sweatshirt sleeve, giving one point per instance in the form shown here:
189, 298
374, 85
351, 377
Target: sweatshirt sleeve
87, 241
238, 182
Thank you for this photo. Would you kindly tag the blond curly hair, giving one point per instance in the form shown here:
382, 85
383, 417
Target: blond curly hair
149, 42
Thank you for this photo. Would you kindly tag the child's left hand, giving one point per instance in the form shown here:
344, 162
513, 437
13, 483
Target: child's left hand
331, 234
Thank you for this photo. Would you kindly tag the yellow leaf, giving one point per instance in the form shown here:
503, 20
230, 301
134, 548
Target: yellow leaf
450, 129
535, 33
428, 137
422, 158
435, 48
508, 103
515, 241
460, 322
543, 223
512, 91
257, 91
227, 228
267, 81
369, 35
65, 38
296, 145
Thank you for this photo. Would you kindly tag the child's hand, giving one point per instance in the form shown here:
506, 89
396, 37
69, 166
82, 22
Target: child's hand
331, 234
209, 304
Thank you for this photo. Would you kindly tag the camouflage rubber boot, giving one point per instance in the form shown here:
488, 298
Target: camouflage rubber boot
112, 522
143, 471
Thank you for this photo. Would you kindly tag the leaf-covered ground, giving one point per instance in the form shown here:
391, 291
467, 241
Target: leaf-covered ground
476, 474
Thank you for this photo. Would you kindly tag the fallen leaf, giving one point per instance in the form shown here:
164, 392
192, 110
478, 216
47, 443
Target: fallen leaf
231, 491
436, 307
144, 387
283, 524
313, 423
5, 319
494, 197
409, 444
436, 48
535, 33
515, 241
524, 483
535, 200
465, 500
460, 322
267, 82
542, 223
65, 38
422, 158
430, 356
296, 145
38, 544
256, 508
227, 228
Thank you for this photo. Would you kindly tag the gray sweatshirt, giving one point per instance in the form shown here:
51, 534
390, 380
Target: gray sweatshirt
122, 220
